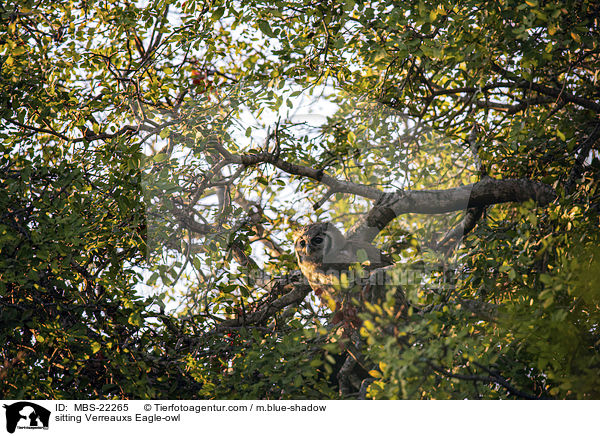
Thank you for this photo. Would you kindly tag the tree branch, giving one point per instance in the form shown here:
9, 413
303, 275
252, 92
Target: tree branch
294, 289
486, 192
559, 94
320, 176
585, 149
455, 235
493, 378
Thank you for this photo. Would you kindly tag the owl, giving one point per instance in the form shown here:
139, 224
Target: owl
334, 265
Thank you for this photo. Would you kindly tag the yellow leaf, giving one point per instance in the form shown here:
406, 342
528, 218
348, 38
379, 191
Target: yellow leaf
369, 325
330, 302
344, 280
95, 347
375, 373
576, 37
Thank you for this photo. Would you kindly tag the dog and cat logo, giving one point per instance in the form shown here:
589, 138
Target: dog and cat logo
26, 415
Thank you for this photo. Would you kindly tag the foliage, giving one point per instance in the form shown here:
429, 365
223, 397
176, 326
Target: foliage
155, 159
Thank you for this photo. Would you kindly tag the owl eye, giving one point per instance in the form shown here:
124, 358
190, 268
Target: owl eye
302, 243
317, 240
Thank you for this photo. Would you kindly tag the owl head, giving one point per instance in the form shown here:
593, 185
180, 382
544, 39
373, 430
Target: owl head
319, 243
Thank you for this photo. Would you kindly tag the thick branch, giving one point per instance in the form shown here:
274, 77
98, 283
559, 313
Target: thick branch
454, 236
484, 193
294, 290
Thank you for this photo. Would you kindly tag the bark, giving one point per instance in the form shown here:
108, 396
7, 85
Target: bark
484, 193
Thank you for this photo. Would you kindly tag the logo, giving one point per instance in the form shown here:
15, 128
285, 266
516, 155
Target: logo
26, 415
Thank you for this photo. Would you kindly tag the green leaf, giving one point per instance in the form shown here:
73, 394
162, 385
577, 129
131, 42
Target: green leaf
265, 28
